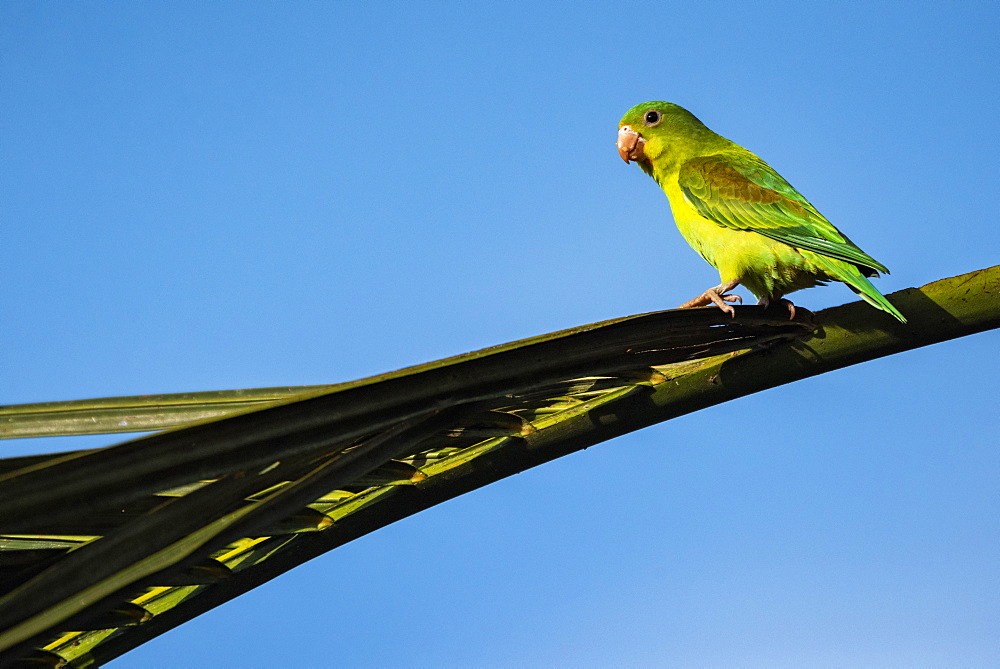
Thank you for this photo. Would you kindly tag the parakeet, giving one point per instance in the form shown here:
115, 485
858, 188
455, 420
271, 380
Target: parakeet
740, 215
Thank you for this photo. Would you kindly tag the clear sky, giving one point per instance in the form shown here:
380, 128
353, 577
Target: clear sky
198, 196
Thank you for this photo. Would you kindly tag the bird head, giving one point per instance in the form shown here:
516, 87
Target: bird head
650, 133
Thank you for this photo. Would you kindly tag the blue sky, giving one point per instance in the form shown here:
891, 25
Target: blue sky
200, 196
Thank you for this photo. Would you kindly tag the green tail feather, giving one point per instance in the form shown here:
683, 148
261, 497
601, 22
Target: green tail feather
857, 282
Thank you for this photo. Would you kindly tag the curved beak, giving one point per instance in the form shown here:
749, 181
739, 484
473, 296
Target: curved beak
630, 144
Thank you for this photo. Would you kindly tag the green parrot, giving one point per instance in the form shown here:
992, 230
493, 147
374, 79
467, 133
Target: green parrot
740, 215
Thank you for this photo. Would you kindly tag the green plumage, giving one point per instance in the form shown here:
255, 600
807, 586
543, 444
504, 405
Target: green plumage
740, 214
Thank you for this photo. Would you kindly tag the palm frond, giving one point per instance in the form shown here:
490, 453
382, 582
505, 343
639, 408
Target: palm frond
103, 549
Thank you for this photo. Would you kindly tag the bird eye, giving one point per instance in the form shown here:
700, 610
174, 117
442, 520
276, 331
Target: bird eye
652, 118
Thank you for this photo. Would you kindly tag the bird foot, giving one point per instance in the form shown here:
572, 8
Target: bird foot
713, 296
787, 304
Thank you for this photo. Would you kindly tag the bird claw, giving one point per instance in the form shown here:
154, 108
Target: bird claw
787, 304
712, 296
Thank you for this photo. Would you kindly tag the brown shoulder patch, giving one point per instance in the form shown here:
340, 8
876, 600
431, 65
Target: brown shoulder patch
730, 184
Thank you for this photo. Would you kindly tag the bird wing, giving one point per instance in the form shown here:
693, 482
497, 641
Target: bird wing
742, 192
